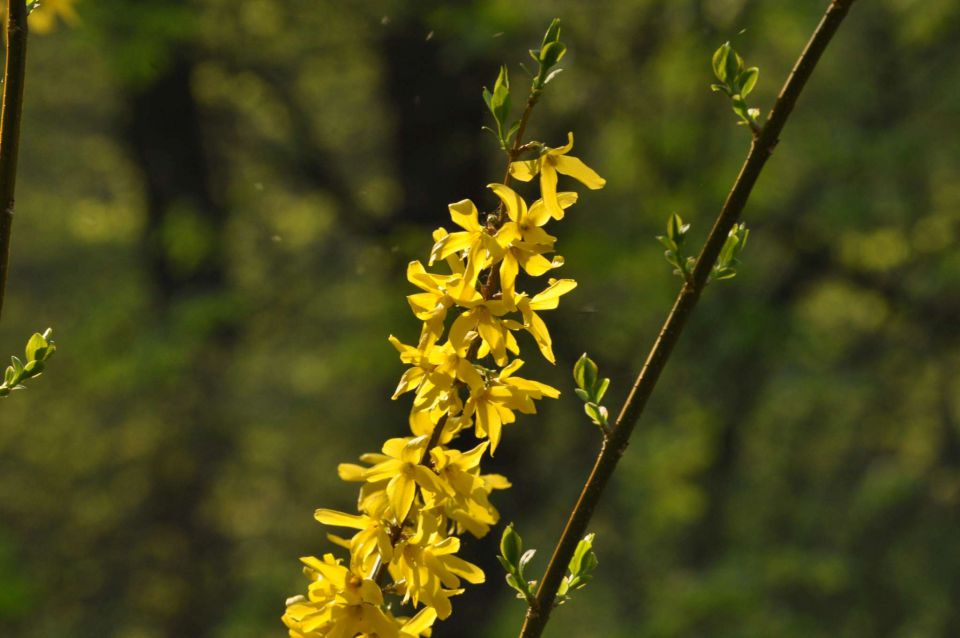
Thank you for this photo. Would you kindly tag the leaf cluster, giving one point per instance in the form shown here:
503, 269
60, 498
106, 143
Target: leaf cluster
515, 560
579, 570
39, 349
729, 259
736, 82
590, 389
674, 241
498, 101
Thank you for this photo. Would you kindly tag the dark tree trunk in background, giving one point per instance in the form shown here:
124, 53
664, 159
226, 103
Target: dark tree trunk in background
166, 138
439, 148
185, 258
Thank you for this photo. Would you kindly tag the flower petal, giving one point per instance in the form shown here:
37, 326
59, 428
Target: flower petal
538, 213
516, 207
341, 519
464, 214
576, 169
509, 268
401, 490
548, 189
525, 170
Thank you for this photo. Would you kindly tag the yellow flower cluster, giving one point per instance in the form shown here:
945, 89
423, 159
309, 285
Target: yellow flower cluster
418, 494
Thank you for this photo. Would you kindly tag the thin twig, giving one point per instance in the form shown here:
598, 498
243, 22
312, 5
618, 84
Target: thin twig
13, 76
613, 448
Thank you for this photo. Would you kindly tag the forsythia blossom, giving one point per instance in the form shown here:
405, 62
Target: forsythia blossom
419, 493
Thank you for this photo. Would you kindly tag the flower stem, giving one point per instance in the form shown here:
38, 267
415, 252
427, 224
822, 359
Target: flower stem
13, 79
614, 446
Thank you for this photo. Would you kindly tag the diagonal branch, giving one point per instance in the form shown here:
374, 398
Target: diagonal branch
613, 447
13, 76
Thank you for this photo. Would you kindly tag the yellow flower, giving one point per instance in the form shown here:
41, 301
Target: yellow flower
551, 162
373, 499
483, 318
440, 292
430, 306
467, 500
423, 421
400, 466
482, 249
523, 238
417, 626
426, 566
548, 299
338, 603
435, 369
493, 403
372, 541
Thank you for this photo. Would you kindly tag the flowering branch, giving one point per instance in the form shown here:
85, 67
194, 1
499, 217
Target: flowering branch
13, 80
420, 494
614, 446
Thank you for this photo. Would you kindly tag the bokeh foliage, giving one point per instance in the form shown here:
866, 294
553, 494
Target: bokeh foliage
217, 201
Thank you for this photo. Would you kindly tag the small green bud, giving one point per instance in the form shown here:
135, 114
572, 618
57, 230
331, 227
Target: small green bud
551, 54
552, 34
676, 229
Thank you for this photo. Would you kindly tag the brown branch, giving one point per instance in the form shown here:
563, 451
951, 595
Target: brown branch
13, 76
613, 447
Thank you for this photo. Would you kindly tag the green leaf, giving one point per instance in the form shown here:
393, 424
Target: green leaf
498, 103
513, 130
601, 389
515, 584
597, 413
720, 61
668, 243
578, 371
590, 372
747, 80
582, 394
584, 560
36, 347
582, 548
733, 63
511, 545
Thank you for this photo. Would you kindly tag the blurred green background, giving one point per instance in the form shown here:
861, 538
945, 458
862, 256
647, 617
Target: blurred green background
217, 202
